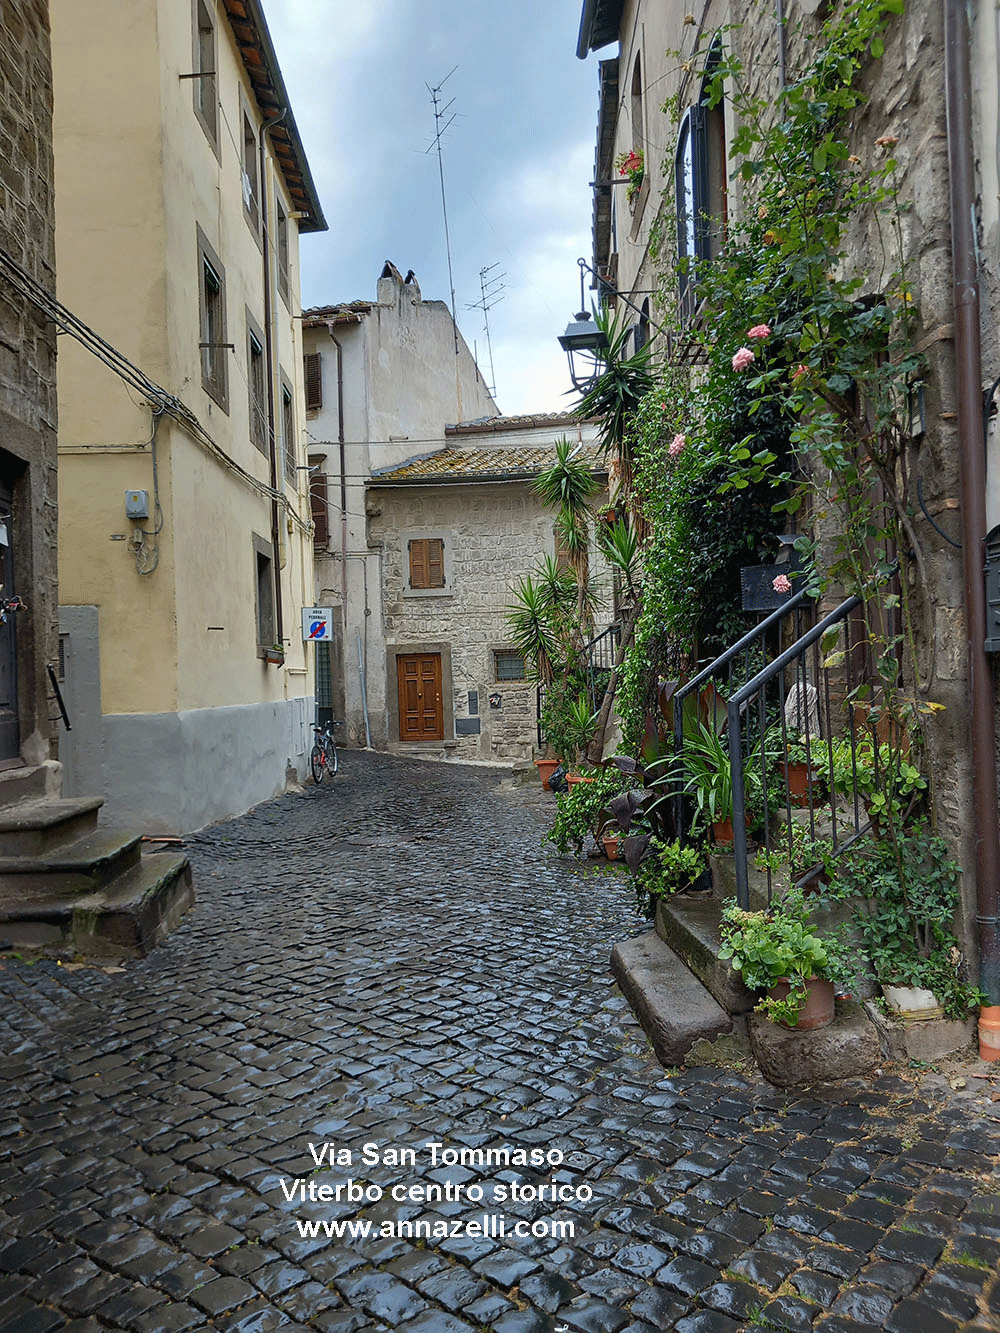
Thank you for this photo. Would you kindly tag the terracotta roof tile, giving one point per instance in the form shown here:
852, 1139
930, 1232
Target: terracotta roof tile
456, 465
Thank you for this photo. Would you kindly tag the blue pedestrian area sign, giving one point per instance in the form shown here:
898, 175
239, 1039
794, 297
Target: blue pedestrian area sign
317, 624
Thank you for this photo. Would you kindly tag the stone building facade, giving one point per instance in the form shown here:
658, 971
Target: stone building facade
651, 95
384, 378
472, 503
29, 639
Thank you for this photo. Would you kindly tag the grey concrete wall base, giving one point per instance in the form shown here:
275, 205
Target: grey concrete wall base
690, 926
926, 1039
673, 1007
847, 1047
174, 772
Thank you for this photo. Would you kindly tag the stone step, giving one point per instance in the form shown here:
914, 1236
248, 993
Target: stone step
29, 782
690, 927
126, 918
84, 866
846, 1048
672, 1005
34, 826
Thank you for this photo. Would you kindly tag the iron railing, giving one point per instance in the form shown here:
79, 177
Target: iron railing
741, 661
598, 656
799, 692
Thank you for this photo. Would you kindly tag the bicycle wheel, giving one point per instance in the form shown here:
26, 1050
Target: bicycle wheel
317, 764
332, 762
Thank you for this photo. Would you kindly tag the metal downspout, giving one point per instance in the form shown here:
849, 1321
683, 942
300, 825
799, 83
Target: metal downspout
343, 475
269, 356
968, 385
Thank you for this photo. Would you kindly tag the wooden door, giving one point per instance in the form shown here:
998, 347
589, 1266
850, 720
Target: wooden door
421, 714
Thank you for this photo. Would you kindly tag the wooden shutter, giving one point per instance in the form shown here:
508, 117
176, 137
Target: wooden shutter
320, 509
314, 381
427, 562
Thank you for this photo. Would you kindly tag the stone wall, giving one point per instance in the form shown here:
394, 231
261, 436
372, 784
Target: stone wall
27, 354
494, 535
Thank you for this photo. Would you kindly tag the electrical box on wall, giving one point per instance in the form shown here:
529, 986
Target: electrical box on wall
137, 504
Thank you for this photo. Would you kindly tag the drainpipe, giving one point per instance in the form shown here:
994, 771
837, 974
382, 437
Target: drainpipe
343, 475
269, 363
972, 462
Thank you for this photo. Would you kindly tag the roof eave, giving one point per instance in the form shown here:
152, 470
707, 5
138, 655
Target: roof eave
249, 28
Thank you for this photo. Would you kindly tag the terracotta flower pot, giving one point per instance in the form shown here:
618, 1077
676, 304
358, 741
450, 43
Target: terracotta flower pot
817, 1009
722, 832
611, 846
546, 767
797, 781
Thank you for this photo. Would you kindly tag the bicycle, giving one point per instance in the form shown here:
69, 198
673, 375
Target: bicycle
323, 756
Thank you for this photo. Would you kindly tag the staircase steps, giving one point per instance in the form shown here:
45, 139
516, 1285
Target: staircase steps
690, 926
127, 916
68, 886
669, 1001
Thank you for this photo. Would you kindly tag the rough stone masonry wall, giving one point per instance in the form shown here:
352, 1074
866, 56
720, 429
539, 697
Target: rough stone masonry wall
494, 535
905, 99
28, 352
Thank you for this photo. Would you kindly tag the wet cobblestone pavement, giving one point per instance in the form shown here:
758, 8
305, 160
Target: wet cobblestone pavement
392, 960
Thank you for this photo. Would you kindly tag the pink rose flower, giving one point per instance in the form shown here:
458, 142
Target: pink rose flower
743, 358
799, 372
759, 331
677, 446
781, 584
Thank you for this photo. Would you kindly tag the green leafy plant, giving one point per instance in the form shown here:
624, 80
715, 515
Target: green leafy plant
584, 810
709, 776
768, 947
904, 892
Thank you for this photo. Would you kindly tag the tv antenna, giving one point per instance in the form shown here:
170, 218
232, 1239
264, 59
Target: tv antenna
491, 289
439, 128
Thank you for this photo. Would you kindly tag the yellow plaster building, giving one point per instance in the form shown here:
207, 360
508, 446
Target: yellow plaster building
185, 554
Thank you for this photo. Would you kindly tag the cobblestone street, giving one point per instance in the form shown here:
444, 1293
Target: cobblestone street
393, 960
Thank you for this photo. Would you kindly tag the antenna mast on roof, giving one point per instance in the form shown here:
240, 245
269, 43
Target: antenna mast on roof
439, 114
491, 289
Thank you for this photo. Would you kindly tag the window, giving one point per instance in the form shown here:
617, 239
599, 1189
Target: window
206, 100
427, 562
251, 175
318, 502
509, 666
281, 247
314, 381
212, 342
288, 429
638, 143
700, 185
264, 592
256, 386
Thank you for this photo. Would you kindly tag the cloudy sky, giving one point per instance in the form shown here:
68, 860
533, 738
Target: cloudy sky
518, 161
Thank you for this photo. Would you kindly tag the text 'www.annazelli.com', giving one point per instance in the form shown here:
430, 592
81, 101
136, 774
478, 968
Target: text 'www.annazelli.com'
493, 1226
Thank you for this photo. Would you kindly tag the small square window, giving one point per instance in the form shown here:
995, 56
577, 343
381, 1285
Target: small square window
427, 562
509, 666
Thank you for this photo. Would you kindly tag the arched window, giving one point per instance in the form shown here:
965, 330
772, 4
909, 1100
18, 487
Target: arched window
700, 183
637, 135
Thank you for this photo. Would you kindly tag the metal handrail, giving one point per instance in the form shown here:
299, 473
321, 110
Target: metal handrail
734, 710
749, 640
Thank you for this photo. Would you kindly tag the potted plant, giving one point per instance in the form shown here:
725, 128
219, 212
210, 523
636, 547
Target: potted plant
631, 164
670, 867
706, 761
797, 769
584, 810
776, 952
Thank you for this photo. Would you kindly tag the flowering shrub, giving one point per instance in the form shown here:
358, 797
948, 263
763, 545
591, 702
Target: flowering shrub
743, 359
781, 584
677, 445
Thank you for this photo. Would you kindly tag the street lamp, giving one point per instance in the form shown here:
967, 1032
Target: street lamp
584, 344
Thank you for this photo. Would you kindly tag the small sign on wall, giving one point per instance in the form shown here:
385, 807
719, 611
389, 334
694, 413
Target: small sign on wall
317, 624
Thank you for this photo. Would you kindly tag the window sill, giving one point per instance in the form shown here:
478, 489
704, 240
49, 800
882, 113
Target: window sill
272, 656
